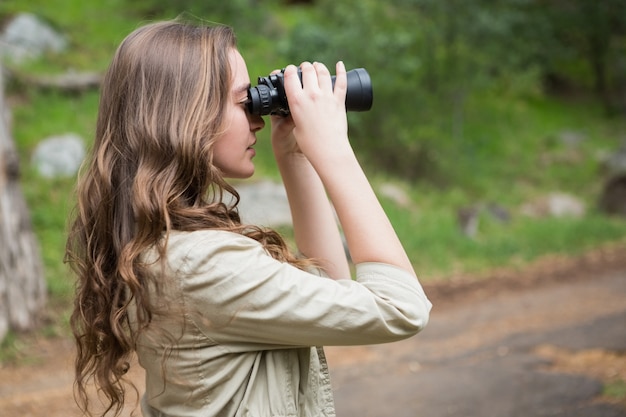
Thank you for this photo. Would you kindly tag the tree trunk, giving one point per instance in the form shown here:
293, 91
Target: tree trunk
22, 283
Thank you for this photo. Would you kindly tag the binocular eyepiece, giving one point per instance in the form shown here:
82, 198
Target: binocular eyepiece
269, 97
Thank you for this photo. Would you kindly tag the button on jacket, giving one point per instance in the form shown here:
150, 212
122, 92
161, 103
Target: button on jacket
239, 334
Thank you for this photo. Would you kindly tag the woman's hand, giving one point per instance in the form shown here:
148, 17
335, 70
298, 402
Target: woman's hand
318, 111
315, 228
283, 141
321, 130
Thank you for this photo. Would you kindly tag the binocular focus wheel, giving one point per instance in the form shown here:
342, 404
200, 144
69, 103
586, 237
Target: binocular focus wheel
265, 99
260, 100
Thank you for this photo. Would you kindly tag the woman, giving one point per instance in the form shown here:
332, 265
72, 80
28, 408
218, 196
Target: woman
223, 317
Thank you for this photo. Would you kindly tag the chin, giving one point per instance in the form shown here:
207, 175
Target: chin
240, 175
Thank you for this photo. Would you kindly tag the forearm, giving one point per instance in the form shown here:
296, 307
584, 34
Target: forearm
315, 227
323, 139
369, 233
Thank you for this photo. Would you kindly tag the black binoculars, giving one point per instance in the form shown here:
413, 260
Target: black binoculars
269, 97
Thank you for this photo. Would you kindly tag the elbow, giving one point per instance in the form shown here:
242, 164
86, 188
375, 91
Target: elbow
412, 320
420, 319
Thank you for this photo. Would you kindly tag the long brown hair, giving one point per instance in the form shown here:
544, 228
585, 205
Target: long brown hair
149, 172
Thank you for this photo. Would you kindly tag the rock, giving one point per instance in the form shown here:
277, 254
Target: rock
468, 219
395, 194
556, 204
571, 137
70, 81
561, 205
498, 212
264, 203
59, 156
614, 163
28, 37
613, 198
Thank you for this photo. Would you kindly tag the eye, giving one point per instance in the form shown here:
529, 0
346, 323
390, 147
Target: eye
244, 104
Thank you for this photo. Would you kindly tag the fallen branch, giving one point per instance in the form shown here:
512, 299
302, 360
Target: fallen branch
73, 82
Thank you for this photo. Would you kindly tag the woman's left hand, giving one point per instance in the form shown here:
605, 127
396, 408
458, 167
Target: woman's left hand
283, 140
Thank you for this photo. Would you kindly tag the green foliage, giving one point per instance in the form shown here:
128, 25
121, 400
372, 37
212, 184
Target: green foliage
430, 60
591, 33
251, 18
233, 12
425, 61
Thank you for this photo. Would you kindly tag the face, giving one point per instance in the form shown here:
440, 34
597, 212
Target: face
233, 151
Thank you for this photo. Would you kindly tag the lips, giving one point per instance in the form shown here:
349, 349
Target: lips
251, 149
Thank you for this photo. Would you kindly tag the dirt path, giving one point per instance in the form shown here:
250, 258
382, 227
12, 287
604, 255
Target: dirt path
541, 345
543, 341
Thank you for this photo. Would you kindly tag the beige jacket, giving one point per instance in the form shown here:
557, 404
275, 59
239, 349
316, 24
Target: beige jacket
242, 325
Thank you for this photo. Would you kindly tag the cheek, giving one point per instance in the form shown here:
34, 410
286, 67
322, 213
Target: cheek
240, 122
236, 122
220, 150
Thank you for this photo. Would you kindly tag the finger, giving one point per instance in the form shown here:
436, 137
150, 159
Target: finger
309, 75
290, 79
292, 84
341, 81
323, 76
282, 120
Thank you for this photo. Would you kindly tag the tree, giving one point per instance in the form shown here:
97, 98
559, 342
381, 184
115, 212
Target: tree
588, 42
22, 285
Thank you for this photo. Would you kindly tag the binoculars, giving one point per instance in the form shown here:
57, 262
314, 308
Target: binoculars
269, 97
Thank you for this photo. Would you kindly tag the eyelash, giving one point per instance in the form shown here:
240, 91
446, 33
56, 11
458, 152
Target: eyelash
244, 104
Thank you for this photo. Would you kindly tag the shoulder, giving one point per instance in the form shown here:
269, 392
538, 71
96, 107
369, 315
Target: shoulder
199, 246
210, 237
198, 249
207, 241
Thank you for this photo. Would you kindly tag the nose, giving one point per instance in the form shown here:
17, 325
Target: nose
256, 122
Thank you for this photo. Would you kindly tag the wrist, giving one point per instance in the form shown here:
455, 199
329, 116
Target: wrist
332, 158
291, 159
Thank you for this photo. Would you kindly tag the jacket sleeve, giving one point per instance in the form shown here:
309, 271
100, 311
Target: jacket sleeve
234, 292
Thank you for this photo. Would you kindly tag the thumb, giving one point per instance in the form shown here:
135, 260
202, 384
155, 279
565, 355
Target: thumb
341, 82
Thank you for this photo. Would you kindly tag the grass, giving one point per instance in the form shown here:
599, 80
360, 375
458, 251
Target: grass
509, 153
615, 390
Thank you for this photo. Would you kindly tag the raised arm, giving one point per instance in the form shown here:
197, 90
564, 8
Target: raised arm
321, 132
315, 227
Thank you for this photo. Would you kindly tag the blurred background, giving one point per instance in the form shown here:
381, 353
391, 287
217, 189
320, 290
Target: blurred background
497, 135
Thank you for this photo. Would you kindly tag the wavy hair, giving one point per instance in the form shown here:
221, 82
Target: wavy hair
149, 172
